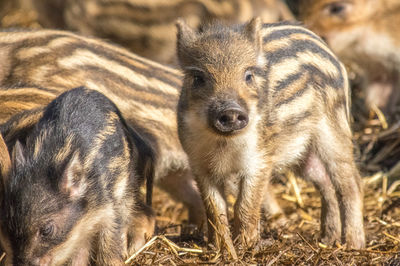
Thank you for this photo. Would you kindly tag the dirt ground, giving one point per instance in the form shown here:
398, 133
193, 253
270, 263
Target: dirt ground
296, 240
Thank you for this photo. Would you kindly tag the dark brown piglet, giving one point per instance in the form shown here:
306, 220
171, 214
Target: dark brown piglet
71, 191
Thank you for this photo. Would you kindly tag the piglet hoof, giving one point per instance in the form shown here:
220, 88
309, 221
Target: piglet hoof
355, 241
246, 238
223, 246
248, 242
330, 241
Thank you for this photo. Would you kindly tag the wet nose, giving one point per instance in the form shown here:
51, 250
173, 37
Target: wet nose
231, 119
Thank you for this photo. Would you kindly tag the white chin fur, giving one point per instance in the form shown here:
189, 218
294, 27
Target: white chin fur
221, 155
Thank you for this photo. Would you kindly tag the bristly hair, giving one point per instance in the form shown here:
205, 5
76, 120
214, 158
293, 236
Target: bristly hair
284, 23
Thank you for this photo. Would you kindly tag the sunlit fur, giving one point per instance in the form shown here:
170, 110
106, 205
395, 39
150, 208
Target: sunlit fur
147, 27
77, 170
298, 110
365, 36
13, 102
39, 65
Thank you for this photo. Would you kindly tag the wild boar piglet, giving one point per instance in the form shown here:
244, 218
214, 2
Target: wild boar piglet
366, 37
38, 65
262, 98
70, 194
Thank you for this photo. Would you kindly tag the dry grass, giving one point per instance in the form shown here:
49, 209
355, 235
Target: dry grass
295, 242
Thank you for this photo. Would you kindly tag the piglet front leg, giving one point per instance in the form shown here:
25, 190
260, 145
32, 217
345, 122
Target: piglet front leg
217, 217
248, 206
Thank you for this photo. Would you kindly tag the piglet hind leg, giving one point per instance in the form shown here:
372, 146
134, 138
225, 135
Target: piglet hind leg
271, 211
350, 193
315, 171
182, 187
337, 163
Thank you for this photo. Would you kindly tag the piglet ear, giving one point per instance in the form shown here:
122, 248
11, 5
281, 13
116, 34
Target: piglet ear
5, 163
253, 32
185, 32
18, 155
73, 181
185, 36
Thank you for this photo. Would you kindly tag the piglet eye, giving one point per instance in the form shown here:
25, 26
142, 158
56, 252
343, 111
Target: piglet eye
47, 230
336, 9
198, 80
249, 76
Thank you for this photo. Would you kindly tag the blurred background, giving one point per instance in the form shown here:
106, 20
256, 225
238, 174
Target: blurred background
364, 34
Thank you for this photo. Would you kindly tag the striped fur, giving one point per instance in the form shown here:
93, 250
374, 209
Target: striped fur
13, 101
365, 36
145, 27
144, 91
290, 101
5, 163
73, 192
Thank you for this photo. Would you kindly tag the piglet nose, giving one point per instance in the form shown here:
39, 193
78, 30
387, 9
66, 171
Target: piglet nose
231, 118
